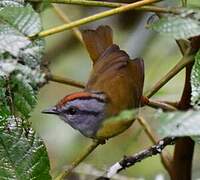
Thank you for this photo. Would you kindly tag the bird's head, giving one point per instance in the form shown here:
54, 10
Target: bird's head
83, 111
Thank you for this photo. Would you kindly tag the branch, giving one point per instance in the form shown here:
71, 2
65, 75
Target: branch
66, 81
165, 156
162, 105
186, 59
110, 5
147, 129
128, 161
184, 3
64, 17
94, 17
84, 3
157, 104
80, 158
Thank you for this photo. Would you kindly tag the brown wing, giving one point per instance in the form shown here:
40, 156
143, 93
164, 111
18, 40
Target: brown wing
97, 41
119, 77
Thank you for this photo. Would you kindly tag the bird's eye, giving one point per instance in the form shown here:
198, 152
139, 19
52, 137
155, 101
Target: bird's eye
71, 110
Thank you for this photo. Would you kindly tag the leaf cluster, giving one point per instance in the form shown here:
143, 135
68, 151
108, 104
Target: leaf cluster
23, 153
184, 24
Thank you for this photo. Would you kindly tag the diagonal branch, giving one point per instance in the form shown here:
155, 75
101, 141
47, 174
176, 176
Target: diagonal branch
95, 17
157, 104
80, 158
64, 17
165, 157
84, 3
110, 5
129, 161
185, 60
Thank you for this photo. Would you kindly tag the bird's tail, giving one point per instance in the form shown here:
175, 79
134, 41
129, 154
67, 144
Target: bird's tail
97, 41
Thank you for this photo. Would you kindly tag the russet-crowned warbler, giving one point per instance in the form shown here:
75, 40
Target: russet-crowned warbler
115, 84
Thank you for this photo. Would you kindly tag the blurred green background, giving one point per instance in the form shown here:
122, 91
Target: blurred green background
70, 59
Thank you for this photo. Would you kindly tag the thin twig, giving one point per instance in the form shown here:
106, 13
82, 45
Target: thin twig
186, 59
158, 104
184, 3
80, 158
128, 161
64, 18
66, 81
165, 156
162, 105
95, 17
147, 129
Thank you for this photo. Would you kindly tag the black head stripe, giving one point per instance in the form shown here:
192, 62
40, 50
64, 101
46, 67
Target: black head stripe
88, 112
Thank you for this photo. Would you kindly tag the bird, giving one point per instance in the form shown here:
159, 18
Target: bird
115, 84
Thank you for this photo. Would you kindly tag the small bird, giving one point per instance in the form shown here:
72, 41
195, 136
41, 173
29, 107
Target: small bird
115, 84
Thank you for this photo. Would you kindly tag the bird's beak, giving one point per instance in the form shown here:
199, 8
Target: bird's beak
51, 110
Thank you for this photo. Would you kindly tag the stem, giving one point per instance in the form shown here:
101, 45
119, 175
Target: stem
80, 158
165, 157
95, 17
187, 59
64, 17
66, 81
147, 129
162, 105
158, 104
184, 3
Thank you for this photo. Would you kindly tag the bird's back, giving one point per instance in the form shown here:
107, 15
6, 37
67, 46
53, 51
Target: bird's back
114, 73
120, 78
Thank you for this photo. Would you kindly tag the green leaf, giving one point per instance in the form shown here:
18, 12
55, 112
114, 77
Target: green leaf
126, 115
11, 40
4, 108
11, 3
24, 19
23, 69
179, 124
32, 54
195, 82
23, 155
41, 6
46, 4
183, 25
24, 98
